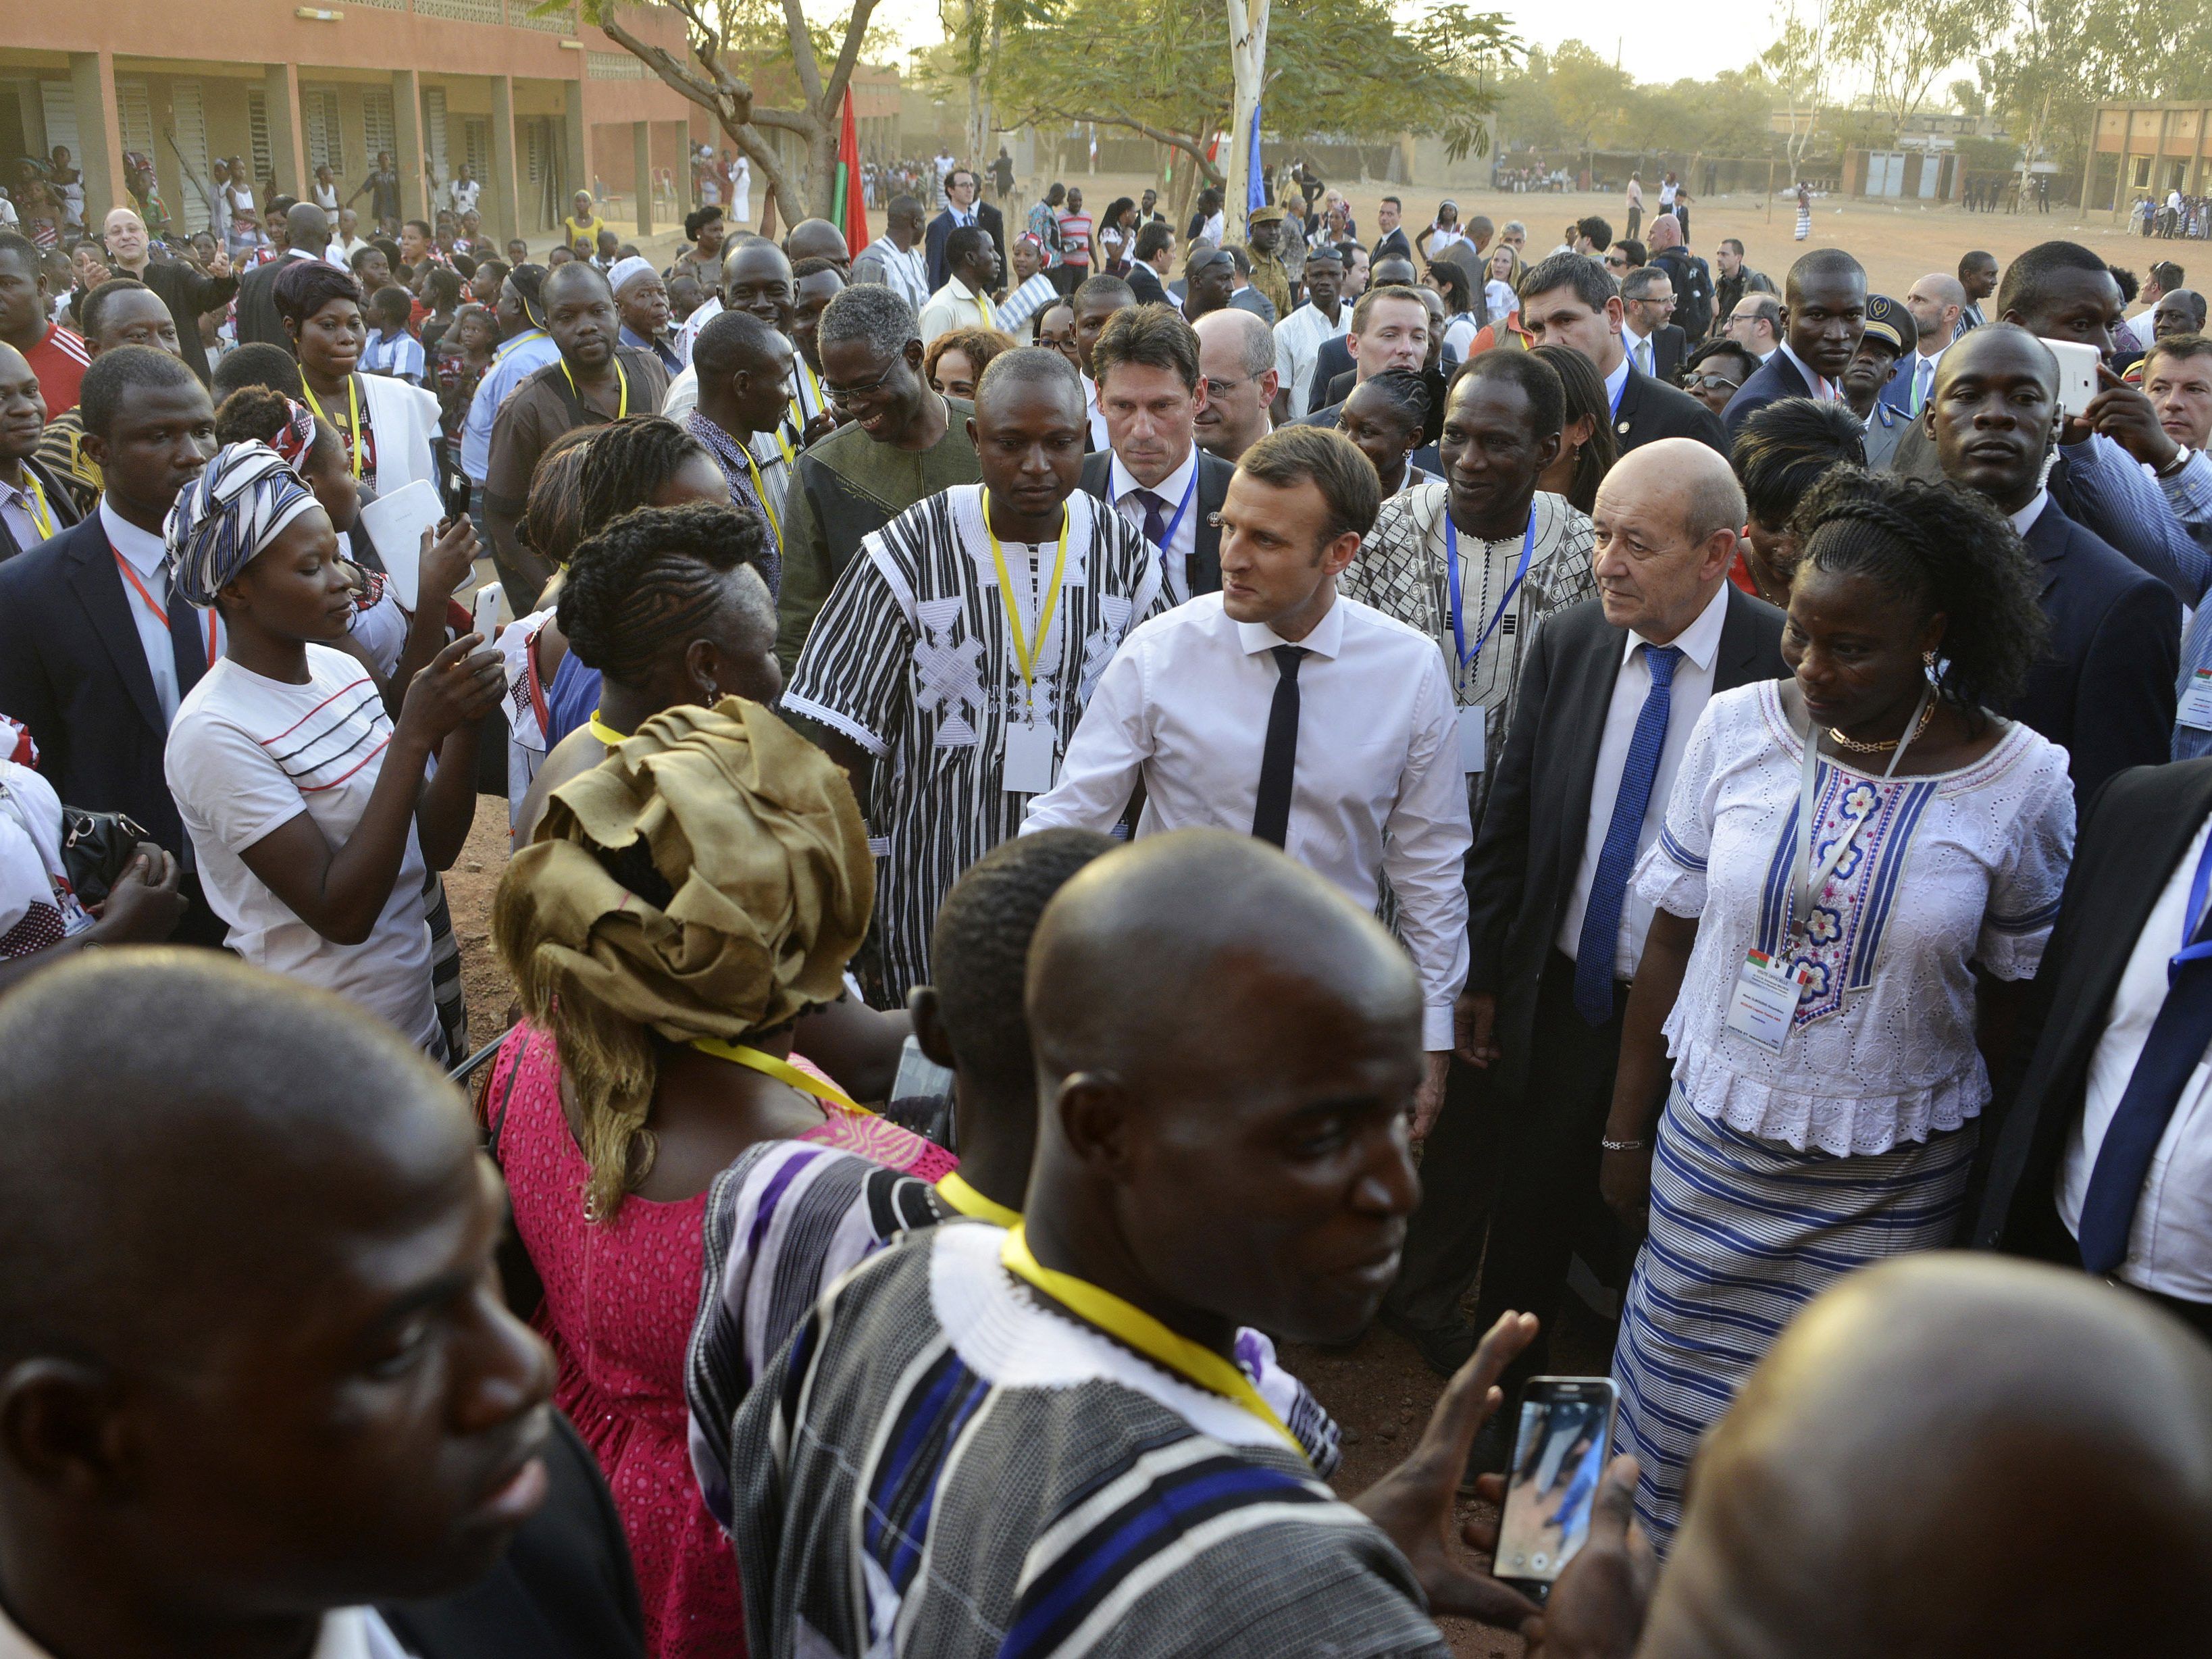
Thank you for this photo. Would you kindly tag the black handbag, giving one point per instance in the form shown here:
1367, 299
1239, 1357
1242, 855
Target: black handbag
97, 847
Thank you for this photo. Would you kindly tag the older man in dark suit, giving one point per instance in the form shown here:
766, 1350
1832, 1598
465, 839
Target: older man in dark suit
2105, 690
1569, 300
1823, 319
1609, 692
96, 650
2100, 1155
306, 232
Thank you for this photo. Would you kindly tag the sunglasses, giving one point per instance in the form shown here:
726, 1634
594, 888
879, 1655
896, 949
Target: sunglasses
1710, 383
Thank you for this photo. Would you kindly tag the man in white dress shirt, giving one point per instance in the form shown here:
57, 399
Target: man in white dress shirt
895, 259
1278, 707
1300, 336
1153, 471
965, 301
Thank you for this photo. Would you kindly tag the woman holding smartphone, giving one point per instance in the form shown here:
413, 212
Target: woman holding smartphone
1806, 1006
306, 801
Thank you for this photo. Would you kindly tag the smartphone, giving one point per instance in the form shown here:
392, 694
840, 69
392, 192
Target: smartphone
1560, 1449
2077, 373
486, 613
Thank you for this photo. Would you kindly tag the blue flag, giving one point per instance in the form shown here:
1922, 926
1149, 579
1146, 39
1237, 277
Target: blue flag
1255, 186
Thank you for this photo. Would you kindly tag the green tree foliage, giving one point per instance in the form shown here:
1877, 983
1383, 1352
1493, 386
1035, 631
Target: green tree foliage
1572, 99
1904, 46
1339, 68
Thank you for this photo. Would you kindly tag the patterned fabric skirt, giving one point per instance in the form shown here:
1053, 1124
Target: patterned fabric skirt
1744, 1233
1804, 223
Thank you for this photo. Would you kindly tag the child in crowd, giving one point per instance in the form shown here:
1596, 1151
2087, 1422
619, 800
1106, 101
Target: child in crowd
390, 349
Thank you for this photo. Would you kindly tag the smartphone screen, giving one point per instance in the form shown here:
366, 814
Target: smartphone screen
1560, 1449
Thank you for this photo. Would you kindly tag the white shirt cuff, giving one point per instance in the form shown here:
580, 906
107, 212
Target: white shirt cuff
1436, 1026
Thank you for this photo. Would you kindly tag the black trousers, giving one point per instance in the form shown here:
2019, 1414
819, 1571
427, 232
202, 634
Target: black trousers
1509, 1188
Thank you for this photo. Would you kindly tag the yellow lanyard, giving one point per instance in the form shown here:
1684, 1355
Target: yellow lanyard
622, 397
983, 310
1025, 650
1138, 1329
761, 490
812, 380
965, 1198
41, 515
781, 1070
605, 734
353, 414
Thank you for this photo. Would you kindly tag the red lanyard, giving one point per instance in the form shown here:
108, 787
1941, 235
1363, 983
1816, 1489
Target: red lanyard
156, 611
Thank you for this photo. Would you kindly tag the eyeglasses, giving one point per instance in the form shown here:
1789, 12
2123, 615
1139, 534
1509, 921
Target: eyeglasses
1222, 388
842, 395
1710, 383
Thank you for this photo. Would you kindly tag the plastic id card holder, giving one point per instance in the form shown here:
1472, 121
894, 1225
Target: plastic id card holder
1765, 998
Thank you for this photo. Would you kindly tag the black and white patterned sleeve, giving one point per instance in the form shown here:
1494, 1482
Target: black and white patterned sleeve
852, 674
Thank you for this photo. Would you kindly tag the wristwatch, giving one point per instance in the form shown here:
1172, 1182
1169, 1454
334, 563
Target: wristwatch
2180, 460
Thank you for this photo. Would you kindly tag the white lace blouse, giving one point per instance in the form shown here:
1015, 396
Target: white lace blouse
1945, 871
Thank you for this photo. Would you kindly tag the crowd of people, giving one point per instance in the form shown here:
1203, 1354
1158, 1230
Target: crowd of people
1088, 798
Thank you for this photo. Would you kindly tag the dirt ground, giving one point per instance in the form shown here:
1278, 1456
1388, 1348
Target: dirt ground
1378, 1388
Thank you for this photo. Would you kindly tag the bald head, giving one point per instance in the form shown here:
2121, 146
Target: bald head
818, 239
307, 226
1666, 232
1954, 1455
1667, 520
1935, 302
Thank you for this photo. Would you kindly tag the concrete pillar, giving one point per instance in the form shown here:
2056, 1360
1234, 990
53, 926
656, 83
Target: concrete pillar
288, 143
575, 152
407, 133
502, 196
641, 140
99, 135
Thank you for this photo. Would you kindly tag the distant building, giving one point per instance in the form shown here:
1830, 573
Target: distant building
2147, 149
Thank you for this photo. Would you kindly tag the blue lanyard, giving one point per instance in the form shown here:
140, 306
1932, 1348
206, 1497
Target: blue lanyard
1451, 569
1189, 494
2202, 948
1620, 389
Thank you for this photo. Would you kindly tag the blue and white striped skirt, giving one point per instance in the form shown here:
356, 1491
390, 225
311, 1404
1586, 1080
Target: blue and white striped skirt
1744, 1233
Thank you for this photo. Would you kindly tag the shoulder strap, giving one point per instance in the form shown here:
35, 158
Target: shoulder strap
498, 1115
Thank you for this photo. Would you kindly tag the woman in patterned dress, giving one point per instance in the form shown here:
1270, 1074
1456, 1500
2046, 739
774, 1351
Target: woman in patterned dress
1811, 1131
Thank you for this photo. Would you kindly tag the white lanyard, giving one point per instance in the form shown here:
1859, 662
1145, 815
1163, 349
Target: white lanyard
1803, 879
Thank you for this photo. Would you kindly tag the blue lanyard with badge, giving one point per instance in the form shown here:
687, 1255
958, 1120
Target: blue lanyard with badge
2196, 710
1473, 734
1167, 540
2193, 950
1767, 989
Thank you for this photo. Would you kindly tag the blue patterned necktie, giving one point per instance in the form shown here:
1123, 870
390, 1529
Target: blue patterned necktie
2169, 1059
1594, 951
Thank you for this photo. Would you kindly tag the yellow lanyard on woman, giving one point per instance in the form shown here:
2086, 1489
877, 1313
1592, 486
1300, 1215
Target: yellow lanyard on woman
622, 380
605, 734
1026, 650
1138, 1329
42, 515
353, 414
963, 1197
781, 1070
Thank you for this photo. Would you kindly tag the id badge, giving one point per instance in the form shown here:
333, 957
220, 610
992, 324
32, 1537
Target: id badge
1473, 735
1026, 765
2196, 709
1765, 1001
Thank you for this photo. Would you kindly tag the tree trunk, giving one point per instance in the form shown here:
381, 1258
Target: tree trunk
1248, 61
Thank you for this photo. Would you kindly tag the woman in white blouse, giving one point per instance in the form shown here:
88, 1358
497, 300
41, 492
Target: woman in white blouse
1807, 1016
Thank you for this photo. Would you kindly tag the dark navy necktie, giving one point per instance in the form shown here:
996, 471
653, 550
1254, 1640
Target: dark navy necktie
2170, 1057
1278, 757
1156, 523
1616, 858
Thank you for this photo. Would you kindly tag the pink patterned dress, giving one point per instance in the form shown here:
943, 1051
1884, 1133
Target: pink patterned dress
619, 1304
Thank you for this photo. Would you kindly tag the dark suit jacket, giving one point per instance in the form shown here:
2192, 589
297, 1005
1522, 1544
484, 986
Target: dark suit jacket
1770, 383
59, 501
1334, 358
1520, 874
258, 321
1650, 409
987, 218
1213, 477
2134, 832
563, 1590
72, 669
1145, 284
1897, 389
188, 293
1668, 347
2103, 691
1693, 289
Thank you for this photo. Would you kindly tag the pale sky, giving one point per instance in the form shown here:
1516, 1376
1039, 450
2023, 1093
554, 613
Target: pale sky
1653, 44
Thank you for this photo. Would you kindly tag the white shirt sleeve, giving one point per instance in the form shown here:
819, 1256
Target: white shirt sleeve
1105, 757
1425, 855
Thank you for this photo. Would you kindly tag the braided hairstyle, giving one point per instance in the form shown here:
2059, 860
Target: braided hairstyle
552, 514
1943, 549
631, 461
650, 579
1585, 392
1407, 394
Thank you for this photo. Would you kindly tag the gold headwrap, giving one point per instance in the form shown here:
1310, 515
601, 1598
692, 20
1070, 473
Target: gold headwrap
756, 831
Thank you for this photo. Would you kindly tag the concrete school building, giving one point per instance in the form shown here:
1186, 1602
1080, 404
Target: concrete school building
538, 106
2147, 150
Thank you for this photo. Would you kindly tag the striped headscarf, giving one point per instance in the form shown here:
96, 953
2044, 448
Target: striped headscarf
227, 516
296, 437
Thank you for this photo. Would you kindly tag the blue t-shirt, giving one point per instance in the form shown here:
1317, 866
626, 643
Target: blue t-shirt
570, 699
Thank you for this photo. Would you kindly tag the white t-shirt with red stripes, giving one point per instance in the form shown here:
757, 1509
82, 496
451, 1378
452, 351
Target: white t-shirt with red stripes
246, 756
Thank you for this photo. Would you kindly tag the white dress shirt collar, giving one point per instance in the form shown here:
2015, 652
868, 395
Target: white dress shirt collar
1325, 640
1701, 640
1822, 387
145, 552
2024, 520
1169, 489
1616, 380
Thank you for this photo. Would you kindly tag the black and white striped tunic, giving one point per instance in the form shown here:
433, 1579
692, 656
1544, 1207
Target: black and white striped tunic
911, 659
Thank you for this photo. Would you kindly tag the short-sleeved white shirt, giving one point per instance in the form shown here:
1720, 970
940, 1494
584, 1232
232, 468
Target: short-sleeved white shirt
1944, 870
247, 755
